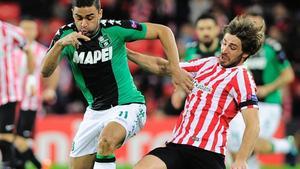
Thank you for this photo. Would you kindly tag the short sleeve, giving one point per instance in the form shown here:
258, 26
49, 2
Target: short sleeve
58, 35
244, 91
128, 30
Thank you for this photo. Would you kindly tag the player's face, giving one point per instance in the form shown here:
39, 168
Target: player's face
207, 30
87, 19
30, 29
231, 51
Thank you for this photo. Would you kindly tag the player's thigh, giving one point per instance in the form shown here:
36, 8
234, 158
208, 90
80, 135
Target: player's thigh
150, 162
131, 117
235, 133
164, 157
7, 117
86, 139
83, 162
269, 117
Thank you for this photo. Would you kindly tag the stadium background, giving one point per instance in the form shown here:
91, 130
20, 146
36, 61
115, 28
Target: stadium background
57, 122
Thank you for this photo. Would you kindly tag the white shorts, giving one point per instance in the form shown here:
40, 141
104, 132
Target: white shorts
132, 117
269, 119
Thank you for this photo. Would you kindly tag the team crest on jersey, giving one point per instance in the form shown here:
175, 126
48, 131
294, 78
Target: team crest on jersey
104, 41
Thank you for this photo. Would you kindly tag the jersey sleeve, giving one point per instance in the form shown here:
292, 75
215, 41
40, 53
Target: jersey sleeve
280, 58
281, 61
129, 30
244, 91
58, 35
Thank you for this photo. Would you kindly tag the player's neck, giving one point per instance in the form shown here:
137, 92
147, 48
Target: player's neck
95, 32
211, 48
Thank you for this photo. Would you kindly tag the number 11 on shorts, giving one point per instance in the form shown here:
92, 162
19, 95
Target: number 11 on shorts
123, 114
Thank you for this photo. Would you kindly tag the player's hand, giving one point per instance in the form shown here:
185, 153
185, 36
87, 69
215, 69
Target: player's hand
262, 91
183, 79
73, 39
49, 96
239, 165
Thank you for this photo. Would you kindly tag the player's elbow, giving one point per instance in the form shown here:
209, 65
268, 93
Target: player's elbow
46, 72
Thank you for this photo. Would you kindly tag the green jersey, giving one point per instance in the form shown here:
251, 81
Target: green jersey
193, 52
100, 65
267, 65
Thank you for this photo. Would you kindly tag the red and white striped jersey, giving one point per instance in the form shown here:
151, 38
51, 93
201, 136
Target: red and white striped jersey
11, 38
39, 51
218, 95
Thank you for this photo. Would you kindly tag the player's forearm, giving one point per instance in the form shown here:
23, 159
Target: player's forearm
51, 82
30, 60
285, 78
168, 41
50, 62
152, 64
249, 139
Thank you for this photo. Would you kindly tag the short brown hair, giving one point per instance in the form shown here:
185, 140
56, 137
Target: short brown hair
248, 32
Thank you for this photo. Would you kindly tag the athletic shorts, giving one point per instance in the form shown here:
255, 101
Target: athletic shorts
26, 123
7, 117
132, 117
179, 156
269, 119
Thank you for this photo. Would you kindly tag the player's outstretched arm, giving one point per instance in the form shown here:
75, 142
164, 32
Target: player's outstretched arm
286, 77
166, 37
250, 116
52, 57
152, 64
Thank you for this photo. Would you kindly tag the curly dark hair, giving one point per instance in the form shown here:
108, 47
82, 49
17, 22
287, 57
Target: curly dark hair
86, 3
250, 34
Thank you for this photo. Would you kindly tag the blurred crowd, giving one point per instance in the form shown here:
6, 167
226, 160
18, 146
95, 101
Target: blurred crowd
282, 19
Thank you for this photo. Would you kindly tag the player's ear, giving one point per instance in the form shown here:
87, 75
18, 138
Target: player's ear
100, 13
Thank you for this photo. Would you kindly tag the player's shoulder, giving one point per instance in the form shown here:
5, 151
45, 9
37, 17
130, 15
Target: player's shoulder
65, 29
111, 23
273, 44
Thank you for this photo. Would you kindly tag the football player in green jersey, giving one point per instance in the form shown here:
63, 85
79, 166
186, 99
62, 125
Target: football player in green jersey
96, 51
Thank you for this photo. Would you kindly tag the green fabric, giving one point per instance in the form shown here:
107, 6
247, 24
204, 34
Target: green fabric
126, 88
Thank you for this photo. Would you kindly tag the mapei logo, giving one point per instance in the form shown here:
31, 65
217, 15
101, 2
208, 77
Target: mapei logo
93, 57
